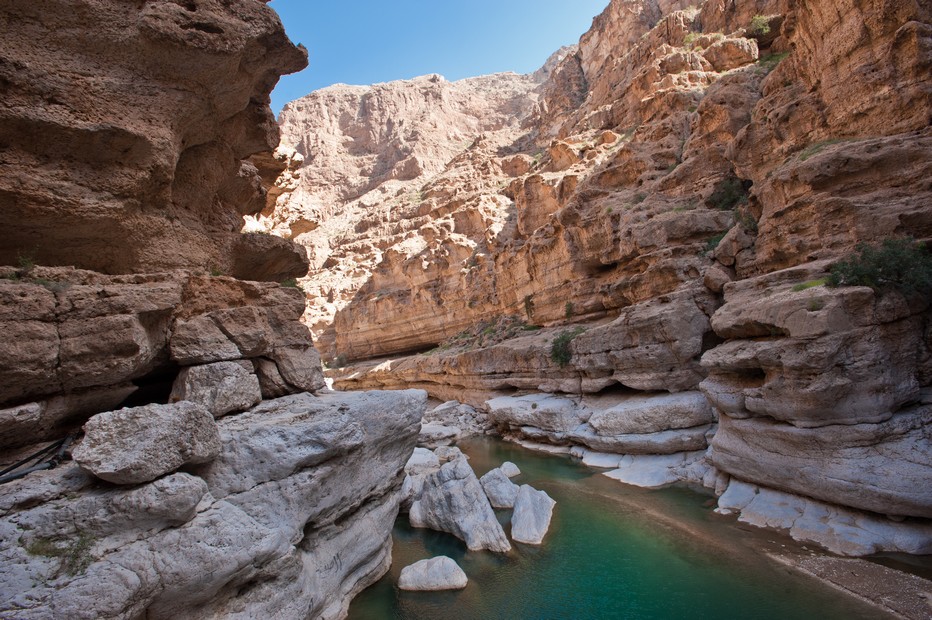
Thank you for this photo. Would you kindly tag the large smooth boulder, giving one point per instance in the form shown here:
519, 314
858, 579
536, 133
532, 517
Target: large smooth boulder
452, 500
440, 573
531, 519
884, 468
140, 444
500, 490
653, 414
222, 388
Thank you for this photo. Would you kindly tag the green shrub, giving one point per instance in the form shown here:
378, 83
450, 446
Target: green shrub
560, 350
728, 194
713, 242
802, 286
529, 306
569, 309
74, 555
290, 283
816, 148
900, 264
26, 261
760, 25
770, 61
814, 305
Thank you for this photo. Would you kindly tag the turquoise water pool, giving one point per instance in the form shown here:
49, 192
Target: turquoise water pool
612, 552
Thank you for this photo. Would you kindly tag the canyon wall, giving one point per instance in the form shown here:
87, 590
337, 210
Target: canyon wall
198, 466
659, 219
126, 131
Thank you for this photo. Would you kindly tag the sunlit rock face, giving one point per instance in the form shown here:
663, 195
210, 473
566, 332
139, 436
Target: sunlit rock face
677, 185
125, 133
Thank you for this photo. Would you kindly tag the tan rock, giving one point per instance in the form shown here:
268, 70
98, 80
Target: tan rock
731, 53
124, 134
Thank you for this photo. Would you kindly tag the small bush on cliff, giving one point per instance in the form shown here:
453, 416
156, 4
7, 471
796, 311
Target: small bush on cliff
560, 350
728, 194
290, 283
760, 25
900, 264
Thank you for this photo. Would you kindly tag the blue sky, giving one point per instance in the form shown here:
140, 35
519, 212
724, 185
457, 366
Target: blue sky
368, 41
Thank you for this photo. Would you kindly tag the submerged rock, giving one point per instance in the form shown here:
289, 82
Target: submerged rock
531, 519
500, 490
452, 500
140, 444
440, 573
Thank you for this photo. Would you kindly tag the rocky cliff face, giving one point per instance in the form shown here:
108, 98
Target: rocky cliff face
212, 474
126, 131
677, 188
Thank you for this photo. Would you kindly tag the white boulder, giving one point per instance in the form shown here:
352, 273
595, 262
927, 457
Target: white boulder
440, 573
531, 519
500, 490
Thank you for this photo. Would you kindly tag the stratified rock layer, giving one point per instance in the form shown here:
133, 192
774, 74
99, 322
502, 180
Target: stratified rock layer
667, 215
125, 133
82, 343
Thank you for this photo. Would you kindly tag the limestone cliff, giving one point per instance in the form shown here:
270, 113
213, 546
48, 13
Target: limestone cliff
126, 131
147, 338
677, 186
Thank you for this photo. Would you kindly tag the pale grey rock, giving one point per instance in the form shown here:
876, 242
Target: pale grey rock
510, 469
452, 500
544, 411
435, 435
652, 414
883, 468
653, 471
445, 454
663, 442
467, 419
222, 387
838, 529
306, 528
440, 573
422, 461
531, 519
604, 460
500, 490
300, 367
140, 444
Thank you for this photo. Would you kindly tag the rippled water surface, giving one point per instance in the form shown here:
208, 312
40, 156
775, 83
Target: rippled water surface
612, 552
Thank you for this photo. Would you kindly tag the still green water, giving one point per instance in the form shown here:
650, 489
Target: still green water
612, 552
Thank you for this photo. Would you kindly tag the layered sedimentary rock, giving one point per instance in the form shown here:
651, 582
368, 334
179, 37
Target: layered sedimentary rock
290, 518
81, 343
132, 140
126, 131
668, 212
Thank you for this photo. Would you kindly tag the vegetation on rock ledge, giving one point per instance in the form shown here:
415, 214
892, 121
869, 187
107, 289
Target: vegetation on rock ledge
900, 264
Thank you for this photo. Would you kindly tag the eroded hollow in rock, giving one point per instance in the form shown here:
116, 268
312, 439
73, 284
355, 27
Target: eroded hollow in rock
153, 388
